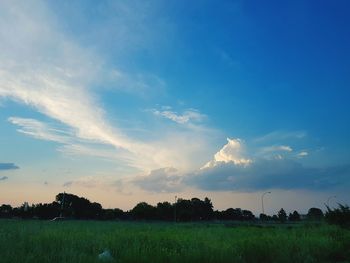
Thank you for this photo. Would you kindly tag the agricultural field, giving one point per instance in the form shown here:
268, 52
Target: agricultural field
83, 241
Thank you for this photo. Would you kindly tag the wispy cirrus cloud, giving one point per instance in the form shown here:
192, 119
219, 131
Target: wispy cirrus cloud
277, 148
46, 70
40, 130
186, 117
281, 135
89, 182
49, 72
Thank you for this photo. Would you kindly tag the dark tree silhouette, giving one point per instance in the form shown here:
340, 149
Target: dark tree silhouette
165, 211
5, 211
294, 216
111, 214
78, 207
247, 215
144, 211
263, 217
338, 216
282, 215
315, 214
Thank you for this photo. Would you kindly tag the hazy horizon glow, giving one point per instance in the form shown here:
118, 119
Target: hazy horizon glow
141, 101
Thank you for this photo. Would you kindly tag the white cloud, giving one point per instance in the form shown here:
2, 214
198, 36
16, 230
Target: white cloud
40, 130
188, 116
281, 136
265, 174
47, 71
166, 180
276, 148
91, 182
302, 154
232, 152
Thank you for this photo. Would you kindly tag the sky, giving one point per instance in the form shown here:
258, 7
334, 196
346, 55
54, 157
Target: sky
130, 101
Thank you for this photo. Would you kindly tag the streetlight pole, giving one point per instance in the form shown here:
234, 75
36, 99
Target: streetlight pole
262, 201
329, 198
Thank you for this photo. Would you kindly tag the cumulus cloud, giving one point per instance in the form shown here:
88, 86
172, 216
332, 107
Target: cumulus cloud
161, 180
8, 166
188, 116
232, 152
230, 169
3, 178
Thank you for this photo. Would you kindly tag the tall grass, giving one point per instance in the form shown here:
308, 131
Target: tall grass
82, 241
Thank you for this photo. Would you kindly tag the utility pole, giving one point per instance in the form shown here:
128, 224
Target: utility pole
262, 201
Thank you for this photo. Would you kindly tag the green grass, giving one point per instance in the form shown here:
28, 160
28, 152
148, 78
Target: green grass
82, 241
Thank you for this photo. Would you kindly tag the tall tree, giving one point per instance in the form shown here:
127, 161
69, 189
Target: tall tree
282, 215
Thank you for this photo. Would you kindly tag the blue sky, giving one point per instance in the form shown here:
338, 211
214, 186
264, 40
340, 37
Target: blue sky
140, 100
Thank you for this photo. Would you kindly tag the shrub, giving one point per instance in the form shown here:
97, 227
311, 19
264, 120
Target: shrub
339, 216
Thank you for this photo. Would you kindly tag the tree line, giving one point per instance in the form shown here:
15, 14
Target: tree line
72, 206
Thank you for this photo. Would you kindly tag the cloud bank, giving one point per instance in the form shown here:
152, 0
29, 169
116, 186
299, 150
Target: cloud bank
165, 180
266, 174
232, 170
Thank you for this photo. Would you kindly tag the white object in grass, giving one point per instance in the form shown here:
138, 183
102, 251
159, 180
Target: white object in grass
105, 256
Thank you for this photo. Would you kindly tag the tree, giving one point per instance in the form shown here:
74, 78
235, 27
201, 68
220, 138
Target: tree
208, 209
165, 211
78, 207
144, 211
338, 216
282, 215
231, 214
263, 217
247, 215
46, 211
183, 210
294, 217
315, 214
112, 214
6, 211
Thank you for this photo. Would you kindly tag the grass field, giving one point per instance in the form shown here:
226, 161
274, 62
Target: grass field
82, 241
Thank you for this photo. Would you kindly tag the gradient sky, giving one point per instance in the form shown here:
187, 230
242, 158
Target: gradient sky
128, 101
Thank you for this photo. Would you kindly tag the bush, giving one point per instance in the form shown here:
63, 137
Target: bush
339, 216
315, 214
